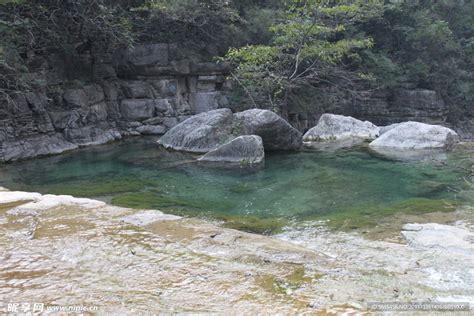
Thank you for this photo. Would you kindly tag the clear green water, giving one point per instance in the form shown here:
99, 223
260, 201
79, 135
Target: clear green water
343, 185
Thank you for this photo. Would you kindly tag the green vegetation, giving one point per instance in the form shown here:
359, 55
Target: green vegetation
371, 216
157, 200
185, 207
100, 187
309, 47
350, 47
284, 53
41, 27
424, 44
254, 224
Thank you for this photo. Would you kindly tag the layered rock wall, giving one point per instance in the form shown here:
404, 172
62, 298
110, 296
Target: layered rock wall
144, 90
97, 95
385, 108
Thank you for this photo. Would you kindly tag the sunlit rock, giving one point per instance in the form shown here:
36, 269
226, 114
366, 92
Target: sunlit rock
414, 136
344, 129
46, 202
392, 153
7, 197
148, 217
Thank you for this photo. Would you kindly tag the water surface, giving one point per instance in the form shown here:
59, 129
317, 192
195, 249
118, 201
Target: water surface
343, 185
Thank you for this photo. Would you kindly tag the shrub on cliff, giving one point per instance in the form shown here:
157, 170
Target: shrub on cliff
314, 45
40, 27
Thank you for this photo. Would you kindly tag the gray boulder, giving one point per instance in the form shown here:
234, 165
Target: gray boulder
276, 133
164, 106
207, 131
97, 113
200, 133
165, 87
243, 150
397, 154
339, 128
415, 136
147, 55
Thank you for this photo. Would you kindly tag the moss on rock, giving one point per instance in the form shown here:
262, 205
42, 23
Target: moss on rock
366, 217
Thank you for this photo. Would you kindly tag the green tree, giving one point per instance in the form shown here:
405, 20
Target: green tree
39, 27
424, 44
312, 47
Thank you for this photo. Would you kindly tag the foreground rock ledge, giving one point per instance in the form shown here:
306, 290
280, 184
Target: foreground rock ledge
132, 262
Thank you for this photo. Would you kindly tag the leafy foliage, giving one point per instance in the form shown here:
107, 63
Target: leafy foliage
311, 47
424, 44
322, 47
280, 49
30, 27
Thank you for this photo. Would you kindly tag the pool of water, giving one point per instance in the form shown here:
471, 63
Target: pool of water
341, 186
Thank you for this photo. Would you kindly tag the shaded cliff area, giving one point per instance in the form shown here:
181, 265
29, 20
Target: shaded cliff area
78, 73
144, 90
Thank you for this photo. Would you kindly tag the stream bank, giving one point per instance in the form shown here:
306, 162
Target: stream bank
61, 250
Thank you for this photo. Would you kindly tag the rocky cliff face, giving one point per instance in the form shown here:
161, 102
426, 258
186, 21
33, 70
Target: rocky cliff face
144, 90
98, 95
385, 108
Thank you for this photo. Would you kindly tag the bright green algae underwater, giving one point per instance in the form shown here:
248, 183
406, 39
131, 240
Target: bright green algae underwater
350, 188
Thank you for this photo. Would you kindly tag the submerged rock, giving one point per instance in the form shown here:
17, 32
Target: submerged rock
276, 133
338, 128
200, 133
415, 136
397, 154
243, 150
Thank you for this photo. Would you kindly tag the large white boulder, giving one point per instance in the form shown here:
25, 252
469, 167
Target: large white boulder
415, 136
346, 129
